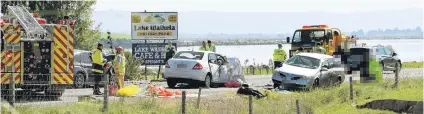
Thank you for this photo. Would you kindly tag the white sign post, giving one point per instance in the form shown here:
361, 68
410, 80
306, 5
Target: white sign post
154, 25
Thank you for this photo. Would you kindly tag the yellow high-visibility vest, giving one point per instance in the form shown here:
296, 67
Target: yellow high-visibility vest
97, 61
120, 62
279, 55
202, 48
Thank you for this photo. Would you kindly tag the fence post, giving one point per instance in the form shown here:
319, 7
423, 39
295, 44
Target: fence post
157, 77
198, 98
297, 107
250, 104
12, 90
396, 77
351, 88
106, 94
183, 104
260, 70
145, 72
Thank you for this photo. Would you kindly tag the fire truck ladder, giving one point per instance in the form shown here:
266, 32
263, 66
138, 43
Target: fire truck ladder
27, 21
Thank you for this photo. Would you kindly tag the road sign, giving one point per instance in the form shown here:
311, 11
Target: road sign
151, 53
154, 25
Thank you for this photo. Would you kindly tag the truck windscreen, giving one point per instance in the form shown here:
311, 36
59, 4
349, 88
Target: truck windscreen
307, 35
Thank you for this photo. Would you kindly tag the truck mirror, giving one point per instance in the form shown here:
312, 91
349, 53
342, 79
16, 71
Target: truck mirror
288, 39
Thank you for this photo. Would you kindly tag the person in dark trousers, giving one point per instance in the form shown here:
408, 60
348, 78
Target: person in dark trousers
170, 52
97, 68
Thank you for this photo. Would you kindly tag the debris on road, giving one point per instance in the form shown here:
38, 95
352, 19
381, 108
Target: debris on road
245, 90
232, 84
128, 91
154, 90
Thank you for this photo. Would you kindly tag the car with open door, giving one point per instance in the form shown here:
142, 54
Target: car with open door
197, 68
306, 70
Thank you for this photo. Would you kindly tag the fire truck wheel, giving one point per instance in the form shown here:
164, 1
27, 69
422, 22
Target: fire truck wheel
55, 91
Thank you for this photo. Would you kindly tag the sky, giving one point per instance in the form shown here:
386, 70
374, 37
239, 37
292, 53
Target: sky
245, 16
336, 6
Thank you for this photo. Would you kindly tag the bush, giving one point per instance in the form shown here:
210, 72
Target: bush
132, 68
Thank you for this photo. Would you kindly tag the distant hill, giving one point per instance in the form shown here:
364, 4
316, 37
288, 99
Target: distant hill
268, 25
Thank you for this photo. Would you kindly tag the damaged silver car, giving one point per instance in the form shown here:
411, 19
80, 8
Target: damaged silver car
306, 70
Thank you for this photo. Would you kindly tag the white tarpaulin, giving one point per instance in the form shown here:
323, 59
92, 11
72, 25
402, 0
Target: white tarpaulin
236, 71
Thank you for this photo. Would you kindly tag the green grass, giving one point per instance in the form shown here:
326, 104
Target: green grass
412, 64
257, 71
115, 36
333, 100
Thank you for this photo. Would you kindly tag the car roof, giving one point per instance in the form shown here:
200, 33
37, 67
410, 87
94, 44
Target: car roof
315, 55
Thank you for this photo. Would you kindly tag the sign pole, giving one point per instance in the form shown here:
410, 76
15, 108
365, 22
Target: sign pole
160, 66
145, 65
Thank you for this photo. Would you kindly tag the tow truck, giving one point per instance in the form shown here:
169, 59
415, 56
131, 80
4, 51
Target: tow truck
36, 56
309, 35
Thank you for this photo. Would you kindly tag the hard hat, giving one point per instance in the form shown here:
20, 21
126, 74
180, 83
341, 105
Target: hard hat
119, 48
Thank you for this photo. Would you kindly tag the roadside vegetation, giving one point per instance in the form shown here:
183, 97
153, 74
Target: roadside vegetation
412, 64
333, 100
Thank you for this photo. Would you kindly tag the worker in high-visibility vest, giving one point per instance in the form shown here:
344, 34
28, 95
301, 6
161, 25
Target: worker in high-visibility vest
97, 68
203, 47
279, 56
210, 46
119, 66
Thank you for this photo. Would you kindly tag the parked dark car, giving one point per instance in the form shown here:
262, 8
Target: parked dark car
82, 68
387, 58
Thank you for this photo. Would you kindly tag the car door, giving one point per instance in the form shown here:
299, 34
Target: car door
335, 70
383, 57
391, 60
325, 76
213, 66
223, 69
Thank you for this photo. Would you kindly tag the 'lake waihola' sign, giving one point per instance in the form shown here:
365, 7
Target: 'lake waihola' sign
154, 25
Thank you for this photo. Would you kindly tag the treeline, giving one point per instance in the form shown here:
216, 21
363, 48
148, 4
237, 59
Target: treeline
389, 32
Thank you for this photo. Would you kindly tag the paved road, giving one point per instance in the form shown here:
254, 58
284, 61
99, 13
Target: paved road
71, 95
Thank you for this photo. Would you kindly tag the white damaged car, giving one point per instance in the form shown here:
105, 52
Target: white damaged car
202, 68
306, 70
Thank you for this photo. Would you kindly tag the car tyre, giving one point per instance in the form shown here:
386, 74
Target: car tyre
316, 83
171, 83
79, 81
208, 81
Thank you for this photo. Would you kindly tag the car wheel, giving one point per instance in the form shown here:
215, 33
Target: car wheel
208, 81
171, 83
398, 68
316, 83
79, 81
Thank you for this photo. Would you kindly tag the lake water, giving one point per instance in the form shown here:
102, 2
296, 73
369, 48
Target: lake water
408, 50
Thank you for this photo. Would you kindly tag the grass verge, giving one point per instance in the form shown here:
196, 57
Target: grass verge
334, 100
413, 64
